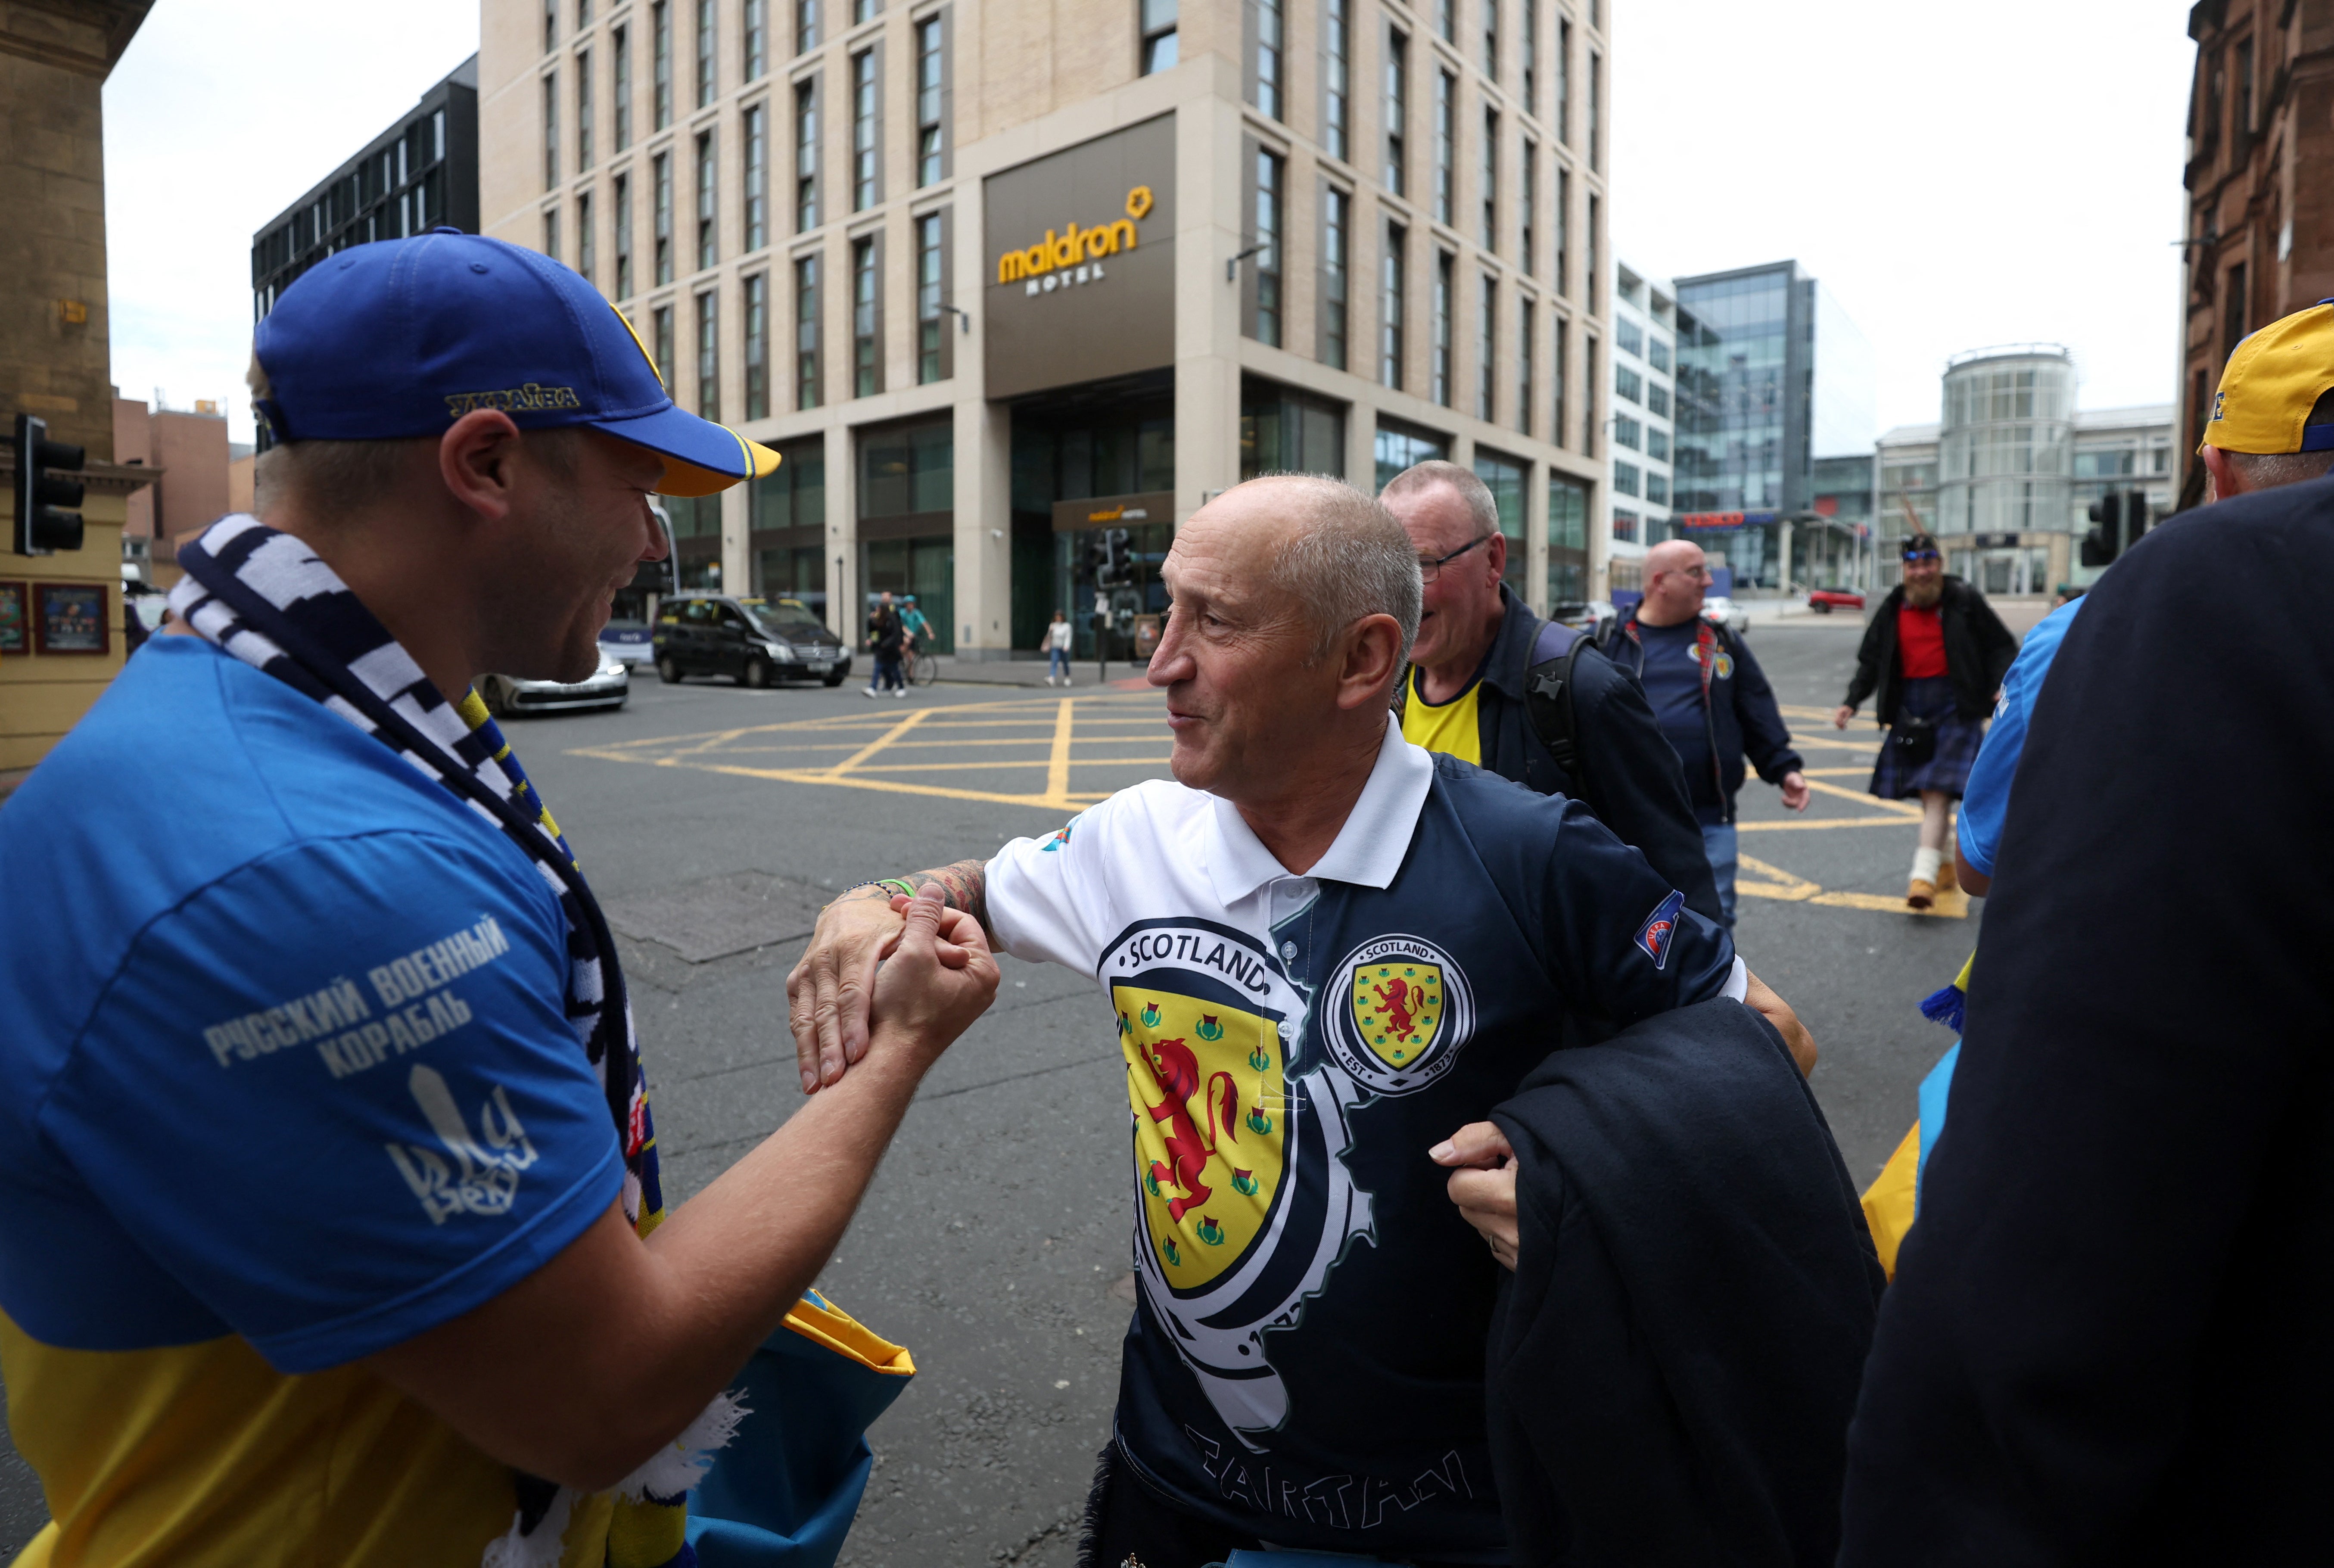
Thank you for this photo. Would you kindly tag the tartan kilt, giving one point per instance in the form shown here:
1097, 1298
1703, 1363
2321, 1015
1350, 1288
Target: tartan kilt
1958, 738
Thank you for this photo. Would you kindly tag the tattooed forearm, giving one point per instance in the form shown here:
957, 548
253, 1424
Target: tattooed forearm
962, 886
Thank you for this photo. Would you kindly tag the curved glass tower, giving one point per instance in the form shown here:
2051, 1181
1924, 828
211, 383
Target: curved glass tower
2007, 447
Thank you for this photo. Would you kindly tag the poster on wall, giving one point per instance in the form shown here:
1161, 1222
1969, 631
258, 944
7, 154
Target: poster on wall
70, 617
16, 621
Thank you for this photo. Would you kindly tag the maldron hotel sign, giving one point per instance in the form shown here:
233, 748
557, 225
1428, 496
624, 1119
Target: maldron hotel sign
1073, 301
1075, 255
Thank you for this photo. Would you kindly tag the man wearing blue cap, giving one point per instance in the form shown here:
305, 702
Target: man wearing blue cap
327, 1164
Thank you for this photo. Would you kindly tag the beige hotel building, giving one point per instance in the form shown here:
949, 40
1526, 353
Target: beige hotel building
1015, 286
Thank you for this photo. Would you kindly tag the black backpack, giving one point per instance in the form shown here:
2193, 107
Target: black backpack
1548, 686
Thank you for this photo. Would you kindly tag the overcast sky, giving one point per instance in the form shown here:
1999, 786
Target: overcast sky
1994, 171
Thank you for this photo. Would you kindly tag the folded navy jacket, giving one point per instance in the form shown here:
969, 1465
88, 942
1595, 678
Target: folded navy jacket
1674, 1363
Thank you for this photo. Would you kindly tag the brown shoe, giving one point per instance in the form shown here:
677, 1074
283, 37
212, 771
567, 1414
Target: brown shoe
1948, 879
1920, 895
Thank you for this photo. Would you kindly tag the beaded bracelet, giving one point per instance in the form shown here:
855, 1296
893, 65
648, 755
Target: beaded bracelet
905, 890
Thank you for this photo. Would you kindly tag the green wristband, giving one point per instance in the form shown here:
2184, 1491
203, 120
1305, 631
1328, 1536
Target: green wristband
905, 890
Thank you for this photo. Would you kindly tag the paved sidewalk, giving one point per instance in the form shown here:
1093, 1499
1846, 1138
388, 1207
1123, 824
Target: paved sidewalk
1123, 677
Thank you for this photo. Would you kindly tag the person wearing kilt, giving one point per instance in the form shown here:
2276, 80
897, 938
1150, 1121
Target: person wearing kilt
1934, 654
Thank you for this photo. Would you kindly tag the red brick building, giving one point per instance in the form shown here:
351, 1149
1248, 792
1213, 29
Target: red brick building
2261, 186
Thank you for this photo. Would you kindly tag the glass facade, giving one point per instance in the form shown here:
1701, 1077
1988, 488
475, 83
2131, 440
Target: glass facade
788, 526
1504, 476
1399, 445
1286, 431
1567, 540
2007, 448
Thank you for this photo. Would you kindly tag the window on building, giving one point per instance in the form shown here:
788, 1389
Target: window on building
1336, 80
583, 109
1529, 77
660, 64
1265, 324
1286, 431
707, 249
1628, 337
1392, 286
582, 14
1486, 328
1527, 329
931, 97
755, 124
1657, 353
1657, 488
866, 133
1491, 39
932, 321
708, 355
620, 49
1627, 382
2245, 88
1156, 21
1446, 20
757, 30
1396, 445
1397, 109
1439, 329
661, 334
1658, 444
1266, 68
1589, 252
1629, 433
1595, 96
865, 11
708, 43
1527, 207
1446, 138
587, 258
1625, 523
805, 25
866, 347
1588, 402
1657, 398
620, 188
550, 133
1558, 367
1567, 540
755, 292
1505, 477
1337, 219
662, 167
550, 25
805, 154
1491, 177
551, 233
1563, 230
1563, 82
2234, 304
807, 376
1627, 478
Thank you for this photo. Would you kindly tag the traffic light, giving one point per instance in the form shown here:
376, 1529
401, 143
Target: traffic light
1116, 555
2105, 540
48, 515
2134, 517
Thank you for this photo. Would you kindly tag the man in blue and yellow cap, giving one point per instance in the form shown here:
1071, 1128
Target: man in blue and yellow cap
2272, 417
327, 1162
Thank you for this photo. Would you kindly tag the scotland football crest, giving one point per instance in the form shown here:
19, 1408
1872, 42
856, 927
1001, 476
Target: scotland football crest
1407, 1011
1224, 1140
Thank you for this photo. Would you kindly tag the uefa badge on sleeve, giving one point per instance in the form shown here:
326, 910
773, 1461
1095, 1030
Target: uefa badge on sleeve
1654, 937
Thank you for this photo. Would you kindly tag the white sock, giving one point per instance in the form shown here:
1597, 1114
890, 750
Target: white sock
1925, 862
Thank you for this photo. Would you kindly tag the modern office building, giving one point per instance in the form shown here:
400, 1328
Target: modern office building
421, 173
2259, 241
1644, 344
1015, 288
1771, 376
2006, 480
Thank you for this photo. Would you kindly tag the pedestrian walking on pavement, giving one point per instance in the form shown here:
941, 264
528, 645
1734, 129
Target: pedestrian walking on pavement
1057, 649
1935, 653
1532, 700
886, 635
328, 1175
1710, 697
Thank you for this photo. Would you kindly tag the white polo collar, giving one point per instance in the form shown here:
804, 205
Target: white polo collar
1368, 849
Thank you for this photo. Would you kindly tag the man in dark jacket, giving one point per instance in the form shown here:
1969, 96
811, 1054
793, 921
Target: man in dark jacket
2108, 1341
1935, 652
1479, 654
1710, 697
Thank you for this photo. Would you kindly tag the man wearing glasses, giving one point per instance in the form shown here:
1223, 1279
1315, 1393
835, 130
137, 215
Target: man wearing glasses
1709, 696
1492, 684
1935, 653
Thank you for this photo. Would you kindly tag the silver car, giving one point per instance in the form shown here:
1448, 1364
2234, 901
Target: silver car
1717, 607
607, 687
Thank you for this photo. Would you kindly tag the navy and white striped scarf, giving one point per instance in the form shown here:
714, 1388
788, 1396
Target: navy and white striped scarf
265, 598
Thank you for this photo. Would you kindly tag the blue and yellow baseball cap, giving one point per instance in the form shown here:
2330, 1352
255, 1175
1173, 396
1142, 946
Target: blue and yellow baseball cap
2273, 381
400, 338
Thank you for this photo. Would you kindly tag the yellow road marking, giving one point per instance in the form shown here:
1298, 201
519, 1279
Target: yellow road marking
1793, 888
907, 723
1057, 762
1895, 808
889, 767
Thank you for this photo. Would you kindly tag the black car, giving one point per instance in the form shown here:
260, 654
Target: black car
755, 641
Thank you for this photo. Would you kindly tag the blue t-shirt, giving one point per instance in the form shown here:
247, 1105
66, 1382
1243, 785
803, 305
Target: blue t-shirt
1987, 802
286, 1043
1671, 677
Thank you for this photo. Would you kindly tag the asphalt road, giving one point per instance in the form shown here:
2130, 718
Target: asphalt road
994, 1243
